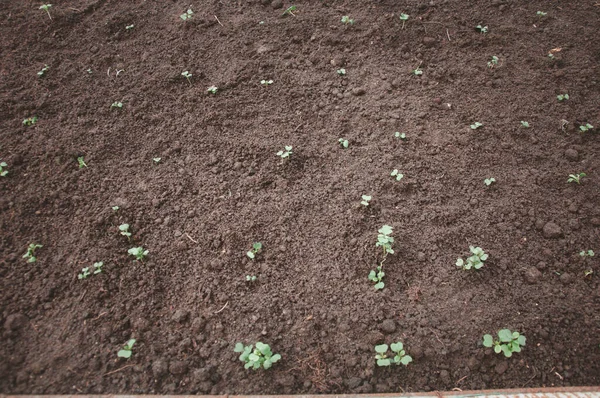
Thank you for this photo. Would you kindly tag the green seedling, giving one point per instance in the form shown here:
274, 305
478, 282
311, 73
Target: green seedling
212, 89
551, 56
494, 62
126, 351
344, 143
85, 272
188, 76
138, 252
250, 278
476, 125
256, 248
396, 174
377, 277
45, 69
129, 27
365, 200
89, 70
404, 18
289, 11
46, 7
266, 82
186, 16
346, 19
562, 97
81, 162
124, 228
400, 135
261, 356
3, 171
30, 121
399, 355
541, 13
507, 343
30, 254
475, 261
341, 72
576, 177
117, 105
417, 71
156, 160
589, 253
588, 272
115, 208
524, 124
385, 241
286, 152
481, 29
585, 127
489, 181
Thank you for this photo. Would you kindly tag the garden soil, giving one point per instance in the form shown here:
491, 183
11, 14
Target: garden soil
219, 187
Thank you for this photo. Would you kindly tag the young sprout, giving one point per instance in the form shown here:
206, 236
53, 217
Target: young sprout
156, 160
562, 97
403, 18
400, 135
212, 89
346, 19
344, 143
417, 71
138, 252
125, 352
491, 64
30, 254
365, 200
289, 11
481, 29
115, 208
476, 125
589, 253
400, 357
286, 153
385, 241
188, 76
256, 248
89, 70
250, 278
45, 69
585, 127
507, 343
397, 175
341, 72
3, 171
261, 356
117, 105
85, 272
46, 7
489, 181
187, 15
524, 124
129, 27
81, 162
576, 177
588, 272
541, 13
377, 277
124, 228
475, 261
30, 121
266, 82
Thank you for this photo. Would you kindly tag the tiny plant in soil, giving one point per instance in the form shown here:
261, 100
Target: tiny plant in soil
289, 11
286, 152
399, 355
585, 127
524, 124
256, 248
3, 171
250, 278
404, 18
42, 72
493, 63
481, 29
126, 351
46, 7
124, 228
343, 143
85, 272
156, 160
30, 121
266, 82
188, 76
588, 272
256, 357
212, 89
476, 125
396, 175
346, 20
562, 97
186, 16
115, 208
365, 200
400, 135
489, 181
116, 105
541, 13
576, 177
138, 252
385, 241
30, 254
507, 343
417, 71
341, 72
586, 253
475, 261
129, 27
81, 162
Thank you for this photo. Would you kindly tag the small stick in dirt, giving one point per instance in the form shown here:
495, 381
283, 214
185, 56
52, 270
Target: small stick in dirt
222, 308
118, 370
218, 21
99, 316
190, 238
448, 34
461, 379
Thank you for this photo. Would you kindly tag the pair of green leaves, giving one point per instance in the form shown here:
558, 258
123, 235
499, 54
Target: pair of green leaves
399, 358
507, 343
256, 247
475, 261
138, 252
377, 277
126, 351
385, 240
255, 358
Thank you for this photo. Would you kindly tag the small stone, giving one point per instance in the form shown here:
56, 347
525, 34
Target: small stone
532, 275
343, 327
473, 202
501, 367
541, 265
539, 224
421, 256
237, 165
338, 61
566, 278
388, 326
177, 368
429, 41
574, 225
573, 208
358, 91
552, 231
445, 376
160, 368
15, 322
198, 325
200, 375
572, 155
180, 316
277, 4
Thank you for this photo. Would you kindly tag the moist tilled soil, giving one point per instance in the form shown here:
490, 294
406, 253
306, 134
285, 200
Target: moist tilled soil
219, 187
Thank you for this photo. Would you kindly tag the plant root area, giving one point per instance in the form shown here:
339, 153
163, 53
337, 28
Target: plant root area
219, 187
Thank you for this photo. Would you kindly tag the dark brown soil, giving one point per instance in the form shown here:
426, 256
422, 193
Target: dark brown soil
219, 187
